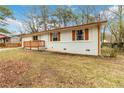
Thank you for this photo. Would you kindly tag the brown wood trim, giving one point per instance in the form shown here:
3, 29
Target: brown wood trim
73, 35
64, 28
58, 36
86, 34
51, 36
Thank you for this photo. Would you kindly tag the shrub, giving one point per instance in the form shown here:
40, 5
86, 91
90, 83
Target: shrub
109, 52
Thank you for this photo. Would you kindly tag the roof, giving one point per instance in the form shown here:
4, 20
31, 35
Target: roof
66, 28
3, 36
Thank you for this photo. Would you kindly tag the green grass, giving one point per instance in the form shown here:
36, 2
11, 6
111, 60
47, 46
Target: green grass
63, 70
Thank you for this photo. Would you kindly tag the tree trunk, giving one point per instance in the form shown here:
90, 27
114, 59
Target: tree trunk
104, 34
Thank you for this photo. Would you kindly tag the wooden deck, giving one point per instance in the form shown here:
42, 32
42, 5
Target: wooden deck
37, 44
10, 45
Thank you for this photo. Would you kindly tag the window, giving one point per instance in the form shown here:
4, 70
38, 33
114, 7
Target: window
55, 36
79, 35
35, 37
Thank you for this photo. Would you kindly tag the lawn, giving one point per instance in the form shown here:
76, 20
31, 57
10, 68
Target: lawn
22, 68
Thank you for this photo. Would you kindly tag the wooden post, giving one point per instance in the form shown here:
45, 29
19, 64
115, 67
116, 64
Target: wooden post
24, 44
30, 45
38, 44
44, 43
99, 46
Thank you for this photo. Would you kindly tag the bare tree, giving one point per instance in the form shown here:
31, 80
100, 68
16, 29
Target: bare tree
45, 16
32, 20
115, 22
87, 13
64, 15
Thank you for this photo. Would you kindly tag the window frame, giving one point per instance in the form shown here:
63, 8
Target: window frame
83, 35
35, 38
53, 37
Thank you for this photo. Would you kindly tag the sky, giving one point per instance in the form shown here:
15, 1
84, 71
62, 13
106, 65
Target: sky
20, 10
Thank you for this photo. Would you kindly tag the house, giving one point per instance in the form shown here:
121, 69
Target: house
3, 38
81, 39
15, 38
7, 40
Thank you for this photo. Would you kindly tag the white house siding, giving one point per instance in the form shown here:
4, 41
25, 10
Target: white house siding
26, 39
44, 37
67, 45
79, 47
66, 36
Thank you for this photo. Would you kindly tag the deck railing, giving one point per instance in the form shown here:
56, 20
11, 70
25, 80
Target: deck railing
34, 44
10, 45
13, 44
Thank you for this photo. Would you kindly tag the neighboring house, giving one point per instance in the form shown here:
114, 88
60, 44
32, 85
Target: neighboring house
3, 38
9, 38
15, 39
80, 39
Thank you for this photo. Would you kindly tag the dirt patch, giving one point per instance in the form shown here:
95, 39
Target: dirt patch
11, 72
46, 77
51, 77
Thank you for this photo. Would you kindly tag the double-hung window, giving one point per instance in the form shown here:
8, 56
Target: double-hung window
79, 35
35, 37
55, 36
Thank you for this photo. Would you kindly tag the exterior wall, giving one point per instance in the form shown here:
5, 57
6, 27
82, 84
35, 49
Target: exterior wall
44, 37
15, 40
86, 47
26, 39
1, 41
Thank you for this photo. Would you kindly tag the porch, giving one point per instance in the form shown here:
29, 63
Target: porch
34, 45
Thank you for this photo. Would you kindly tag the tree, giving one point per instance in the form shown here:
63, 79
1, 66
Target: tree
75, 19
5, 13
120, 23
53, 22
45, 16
3, 30
87, 13
58, 15
67, 16
37, 19
64, 15
115, 23
32, 20
114, 15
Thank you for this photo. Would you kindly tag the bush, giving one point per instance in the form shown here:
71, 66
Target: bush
109, 52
